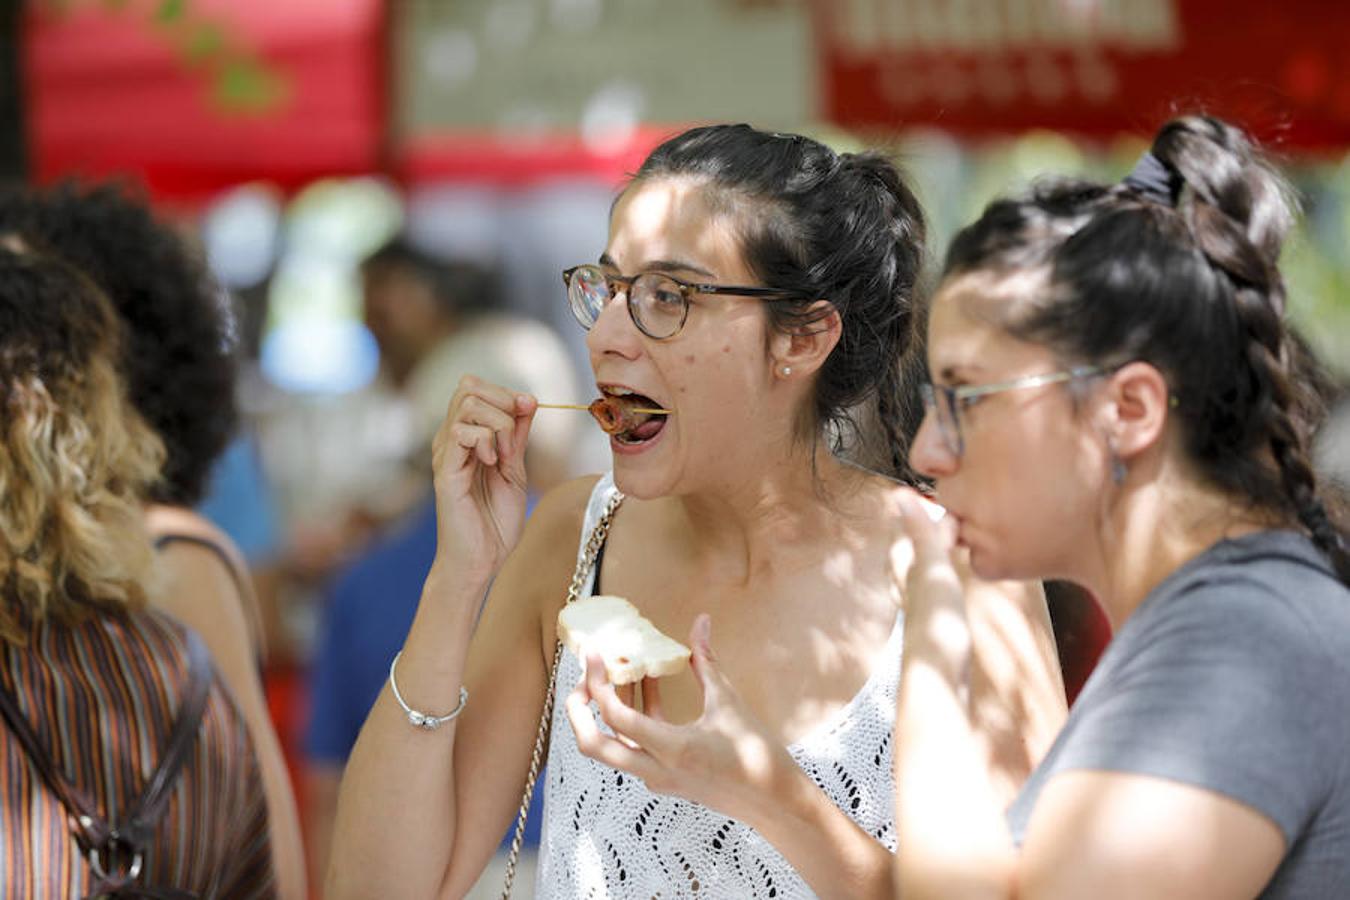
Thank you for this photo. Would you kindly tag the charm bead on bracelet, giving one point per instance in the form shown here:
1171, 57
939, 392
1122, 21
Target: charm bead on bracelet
420, 719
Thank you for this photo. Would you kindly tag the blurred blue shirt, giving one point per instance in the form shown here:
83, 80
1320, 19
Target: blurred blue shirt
239, 501
367, 615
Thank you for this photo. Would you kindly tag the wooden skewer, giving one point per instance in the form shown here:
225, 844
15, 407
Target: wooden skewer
663, 412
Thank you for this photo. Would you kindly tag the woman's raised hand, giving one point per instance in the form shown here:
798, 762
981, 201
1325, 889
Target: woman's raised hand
936, 583
725, 759
478, 457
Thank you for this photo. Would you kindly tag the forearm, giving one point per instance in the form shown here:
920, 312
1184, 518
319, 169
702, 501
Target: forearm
395, 823
827, 848
952, 838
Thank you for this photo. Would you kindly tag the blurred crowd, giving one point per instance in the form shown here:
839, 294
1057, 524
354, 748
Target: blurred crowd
290, 528
328, 484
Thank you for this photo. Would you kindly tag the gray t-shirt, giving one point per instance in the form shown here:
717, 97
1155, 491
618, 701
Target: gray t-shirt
1233, 675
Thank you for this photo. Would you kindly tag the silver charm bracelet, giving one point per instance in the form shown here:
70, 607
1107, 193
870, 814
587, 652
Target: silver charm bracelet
421, 719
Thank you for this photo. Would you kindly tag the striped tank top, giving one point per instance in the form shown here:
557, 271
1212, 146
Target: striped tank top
101, 695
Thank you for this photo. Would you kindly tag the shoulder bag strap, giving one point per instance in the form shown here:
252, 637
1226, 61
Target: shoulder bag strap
92, 830
584, 565
150, 806
238, 572
90, 827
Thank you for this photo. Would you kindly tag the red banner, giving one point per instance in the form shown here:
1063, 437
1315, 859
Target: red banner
108, 91
1094, 67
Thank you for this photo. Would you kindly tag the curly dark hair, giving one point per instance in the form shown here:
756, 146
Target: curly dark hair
179, 355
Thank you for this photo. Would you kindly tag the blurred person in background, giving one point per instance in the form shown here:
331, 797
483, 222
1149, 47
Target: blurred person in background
178, 357
432, 320
127, 764
1121, 350
435, 321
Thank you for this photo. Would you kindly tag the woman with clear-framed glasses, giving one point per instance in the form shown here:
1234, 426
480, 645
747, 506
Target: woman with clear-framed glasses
1117, 402
760, 288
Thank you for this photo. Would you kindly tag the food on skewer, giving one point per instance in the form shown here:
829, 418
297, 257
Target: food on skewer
609, 414
630, 416
623, 414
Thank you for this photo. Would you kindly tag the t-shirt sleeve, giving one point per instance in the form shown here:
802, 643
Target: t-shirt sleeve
1226, 692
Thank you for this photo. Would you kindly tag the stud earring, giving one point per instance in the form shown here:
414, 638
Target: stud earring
787, 370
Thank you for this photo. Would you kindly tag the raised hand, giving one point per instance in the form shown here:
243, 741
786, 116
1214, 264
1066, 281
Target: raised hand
935, 583
724, 759
478, 456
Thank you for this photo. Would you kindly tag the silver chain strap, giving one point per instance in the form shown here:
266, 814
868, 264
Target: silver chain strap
583, 570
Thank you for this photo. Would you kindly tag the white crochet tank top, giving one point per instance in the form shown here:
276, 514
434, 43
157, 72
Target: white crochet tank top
605, 835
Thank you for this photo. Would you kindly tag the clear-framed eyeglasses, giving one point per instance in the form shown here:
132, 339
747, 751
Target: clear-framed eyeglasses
657, 303
946, 404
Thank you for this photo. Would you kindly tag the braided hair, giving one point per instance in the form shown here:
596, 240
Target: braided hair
840, 227
1178, 266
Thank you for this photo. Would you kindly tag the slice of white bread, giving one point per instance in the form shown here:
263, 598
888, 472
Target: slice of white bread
632, 647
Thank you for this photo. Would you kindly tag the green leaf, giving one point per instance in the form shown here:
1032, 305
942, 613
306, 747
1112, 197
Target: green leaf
245, 86
170, 11
203, 42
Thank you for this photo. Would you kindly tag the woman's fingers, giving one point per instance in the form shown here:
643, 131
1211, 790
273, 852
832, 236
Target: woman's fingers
933, 535
525, 408
502, 422
704, 662
475, 440
471, 386
619, 714
597, 745
651, 699
481, 403
933, 542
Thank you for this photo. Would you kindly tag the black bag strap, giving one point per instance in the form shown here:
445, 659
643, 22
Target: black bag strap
589, 560
116, 851
177, 537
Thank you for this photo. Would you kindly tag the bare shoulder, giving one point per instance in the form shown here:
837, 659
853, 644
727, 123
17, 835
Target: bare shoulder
190, 542
199, 559
537, 572
179, 521
559, 514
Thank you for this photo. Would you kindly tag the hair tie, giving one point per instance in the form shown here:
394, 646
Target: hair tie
1154, 179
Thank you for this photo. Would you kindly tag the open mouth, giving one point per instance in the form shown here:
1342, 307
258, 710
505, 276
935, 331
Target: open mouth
631, 418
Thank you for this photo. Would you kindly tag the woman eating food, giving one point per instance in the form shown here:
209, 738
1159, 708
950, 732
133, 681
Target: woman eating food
1122, 349
748, 323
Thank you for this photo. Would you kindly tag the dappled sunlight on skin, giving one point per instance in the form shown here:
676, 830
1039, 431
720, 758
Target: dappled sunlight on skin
795, 682
754, 754
827, 653
838, 567
653, 214
1000, 684
713, 372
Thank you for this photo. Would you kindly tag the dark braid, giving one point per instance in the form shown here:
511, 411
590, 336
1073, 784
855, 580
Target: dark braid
1239, 226
1191, 284
839, 227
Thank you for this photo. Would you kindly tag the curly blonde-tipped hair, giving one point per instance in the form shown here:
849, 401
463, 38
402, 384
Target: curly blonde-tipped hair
75, 457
